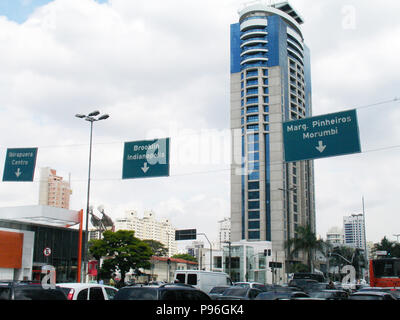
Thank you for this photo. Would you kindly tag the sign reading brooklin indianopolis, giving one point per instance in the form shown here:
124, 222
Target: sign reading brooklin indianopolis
146, 158
321, 136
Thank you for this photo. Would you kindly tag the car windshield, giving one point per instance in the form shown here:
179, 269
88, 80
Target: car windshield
5, 293
393, 292
218, 289
365, 297
38, 293
322, 294
273, 295
237, 292
243, 285
136, 293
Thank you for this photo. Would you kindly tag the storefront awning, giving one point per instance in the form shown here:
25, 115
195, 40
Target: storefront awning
44, 215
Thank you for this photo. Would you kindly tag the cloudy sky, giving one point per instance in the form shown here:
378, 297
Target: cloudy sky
161, 69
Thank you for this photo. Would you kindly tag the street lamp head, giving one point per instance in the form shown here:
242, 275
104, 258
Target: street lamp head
94, 113
90, 119
80, 115
104, 117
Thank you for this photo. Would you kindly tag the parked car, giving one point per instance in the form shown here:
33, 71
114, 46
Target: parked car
239, 293
393, 291
163, 292
255, 285
330, 294
371, 295
25, 291
304, 284
310, 276
217, 291
281, 295
88, 291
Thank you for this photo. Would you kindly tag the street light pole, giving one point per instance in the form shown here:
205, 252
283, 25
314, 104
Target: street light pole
287, 191
91, 117
210, 249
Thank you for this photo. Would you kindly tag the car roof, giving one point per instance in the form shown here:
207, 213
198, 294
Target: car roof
376, 293
76, 285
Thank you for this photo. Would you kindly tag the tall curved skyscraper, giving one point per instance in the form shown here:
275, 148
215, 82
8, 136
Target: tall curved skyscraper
270, 84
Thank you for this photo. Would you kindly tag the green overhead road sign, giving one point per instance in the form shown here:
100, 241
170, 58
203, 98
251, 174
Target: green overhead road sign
20, 164
187, 234
321, 136
146, 159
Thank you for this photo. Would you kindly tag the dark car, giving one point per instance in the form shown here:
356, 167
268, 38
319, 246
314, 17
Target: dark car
217, 291
330, 294
26, 291
239, 293
371, 295
282, 294
310, 276
163, 292
305, 285
393, 291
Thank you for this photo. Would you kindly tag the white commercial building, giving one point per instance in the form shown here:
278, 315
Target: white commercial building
149, 228
335, 236
53, 190
354, 231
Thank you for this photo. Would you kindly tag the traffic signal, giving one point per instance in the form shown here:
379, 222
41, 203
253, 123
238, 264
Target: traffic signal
267, 252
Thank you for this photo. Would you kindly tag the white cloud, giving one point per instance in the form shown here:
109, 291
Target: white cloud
162, 64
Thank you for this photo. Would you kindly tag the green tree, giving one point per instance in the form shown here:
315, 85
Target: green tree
391, 247
185, 256
343, 255
305, 241
122, 251
157, 247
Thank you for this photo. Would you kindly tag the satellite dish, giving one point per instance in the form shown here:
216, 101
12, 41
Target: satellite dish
96, 221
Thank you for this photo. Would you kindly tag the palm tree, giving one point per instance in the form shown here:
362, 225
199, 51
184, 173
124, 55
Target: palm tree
305, 241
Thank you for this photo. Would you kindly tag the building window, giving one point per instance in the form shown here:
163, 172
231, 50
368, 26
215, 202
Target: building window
252, 119
253, 195
253, 127
254, 166
252, 109
255, 156
252, 100
254, 185
254, 224
254, 215
251, 138
254, 235
255, 175
253, 147
252, 73
254, 204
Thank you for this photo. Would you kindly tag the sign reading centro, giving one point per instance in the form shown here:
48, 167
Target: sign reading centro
145, 159
20, 164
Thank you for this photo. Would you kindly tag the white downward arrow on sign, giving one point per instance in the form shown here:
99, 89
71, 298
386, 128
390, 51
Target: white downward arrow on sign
18, 173
145, 167
320, 147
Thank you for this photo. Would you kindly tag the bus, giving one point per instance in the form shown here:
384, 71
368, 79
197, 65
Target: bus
384, 272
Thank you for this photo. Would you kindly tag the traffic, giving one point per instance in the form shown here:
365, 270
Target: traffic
201, 285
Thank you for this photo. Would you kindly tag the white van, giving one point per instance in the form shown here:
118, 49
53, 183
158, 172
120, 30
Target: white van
203, 280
